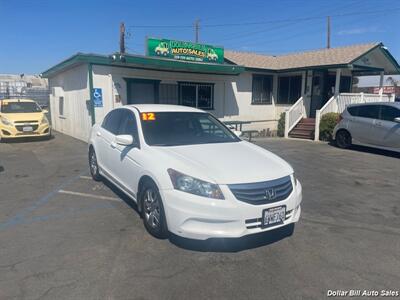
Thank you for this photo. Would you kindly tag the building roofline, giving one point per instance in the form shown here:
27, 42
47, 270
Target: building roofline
129, 60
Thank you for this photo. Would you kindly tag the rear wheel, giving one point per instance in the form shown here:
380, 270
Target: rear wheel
343, 139
93, 166
153, 211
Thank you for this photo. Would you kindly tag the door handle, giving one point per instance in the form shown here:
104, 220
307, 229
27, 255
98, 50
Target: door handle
113, 145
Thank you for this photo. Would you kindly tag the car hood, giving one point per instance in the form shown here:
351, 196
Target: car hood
36, 116
227, 163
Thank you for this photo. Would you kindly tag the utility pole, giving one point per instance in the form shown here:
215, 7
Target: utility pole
122, 38
197, 28
328, 34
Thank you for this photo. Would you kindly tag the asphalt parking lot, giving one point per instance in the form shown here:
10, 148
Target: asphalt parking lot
64, 236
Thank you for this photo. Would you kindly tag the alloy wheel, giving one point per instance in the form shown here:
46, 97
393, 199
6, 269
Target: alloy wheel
151, 206
93, 163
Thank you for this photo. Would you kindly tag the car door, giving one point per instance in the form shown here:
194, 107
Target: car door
361, 123
387, 130
106, 142
128, 163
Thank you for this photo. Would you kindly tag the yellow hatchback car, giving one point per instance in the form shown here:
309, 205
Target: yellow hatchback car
22, 118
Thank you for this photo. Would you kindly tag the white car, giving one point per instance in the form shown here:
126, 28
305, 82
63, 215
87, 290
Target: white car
371, 124
190, 175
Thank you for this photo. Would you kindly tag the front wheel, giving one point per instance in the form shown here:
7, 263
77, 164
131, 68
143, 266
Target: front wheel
93, 166
153, 211
343, 139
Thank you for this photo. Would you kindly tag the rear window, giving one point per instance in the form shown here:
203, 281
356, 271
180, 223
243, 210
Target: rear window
353, 110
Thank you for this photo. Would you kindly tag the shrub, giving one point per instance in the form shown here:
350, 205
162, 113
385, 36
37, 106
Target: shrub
281, 125
326, 126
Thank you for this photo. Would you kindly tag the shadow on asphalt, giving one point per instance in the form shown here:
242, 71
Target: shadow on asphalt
26, 139
371, 150
121, 194
234, 244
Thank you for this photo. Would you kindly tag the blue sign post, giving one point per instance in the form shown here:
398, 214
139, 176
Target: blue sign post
97, 97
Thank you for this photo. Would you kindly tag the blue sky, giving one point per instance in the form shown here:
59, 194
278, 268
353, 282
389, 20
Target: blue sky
36, 34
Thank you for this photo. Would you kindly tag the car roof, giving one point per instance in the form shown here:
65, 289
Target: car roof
395, 104
163, 108
17, 100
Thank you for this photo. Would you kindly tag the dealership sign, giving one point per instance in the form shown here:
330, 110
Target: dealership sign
184, 51
387, 90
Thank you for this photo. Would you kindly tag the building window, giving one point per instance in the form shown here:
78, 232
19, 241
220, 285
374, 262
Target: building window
61, 106
262, 89
289, 90
200, 95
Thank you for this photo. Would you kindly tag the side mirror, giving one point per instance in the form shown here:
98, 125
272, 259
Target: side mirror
45, 111
124, 139
237, 133
397, 120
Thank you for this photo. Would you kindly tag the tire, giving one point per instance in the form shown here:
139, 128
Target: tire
343, 139
152, 209
93, 166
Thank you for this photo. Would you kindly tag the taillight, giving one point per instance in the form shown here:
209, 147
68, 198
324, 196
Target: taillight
340, 118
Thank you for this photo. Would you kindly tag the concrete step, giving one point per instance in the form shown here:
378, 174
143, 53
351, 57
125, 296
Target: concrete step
308, 126
307, 121
302, 132
304, 137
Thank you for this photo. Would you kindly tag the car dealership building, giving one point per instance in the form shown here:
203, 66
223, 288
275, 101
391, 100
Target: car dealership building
231, 85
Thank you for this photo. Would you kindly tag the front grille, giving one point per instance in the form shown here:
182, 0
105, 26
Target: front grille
24, 122
263, 192
256, 222
20, 127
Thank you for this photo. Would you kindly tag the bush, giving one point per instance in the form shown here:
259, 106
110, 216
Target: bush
281, 125
326, 126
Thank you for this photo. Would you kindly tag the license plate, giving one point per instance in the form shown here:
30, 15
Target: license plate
273, 216
27, 128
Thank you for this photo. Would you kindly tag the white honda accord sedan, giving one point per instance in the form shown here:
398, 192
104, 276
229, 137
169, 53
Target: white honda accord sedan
191, 175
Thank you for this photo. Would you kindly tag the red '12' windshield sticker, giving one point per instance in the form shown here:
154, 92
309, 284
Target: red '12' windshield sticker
148, 116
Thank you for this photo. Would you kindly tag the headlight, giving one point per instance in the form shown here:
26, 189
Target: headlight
5, 121
44, 120
194, 186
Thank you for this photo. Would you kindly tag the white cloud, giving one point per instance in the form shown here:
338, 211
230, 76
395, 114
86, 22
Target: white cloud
360, 30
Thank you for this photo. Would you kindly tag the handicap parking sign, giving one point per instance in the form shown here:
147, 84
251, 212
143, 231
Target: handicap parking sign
97, 97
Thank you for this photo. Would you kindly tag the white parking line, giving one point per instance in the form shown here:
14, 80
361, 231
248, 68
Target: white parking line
85, 177
89, 195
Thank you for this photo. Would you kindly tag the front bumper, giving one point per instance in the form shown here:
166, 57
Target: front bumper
15, 131
196, 217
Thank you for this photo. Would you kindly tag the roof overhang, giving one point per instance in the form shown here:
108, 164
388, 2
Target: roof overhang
144, 62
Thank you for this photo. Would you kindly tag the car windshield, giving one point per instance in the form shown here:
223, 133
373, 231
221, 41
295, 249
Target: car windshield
184, 128
19, 107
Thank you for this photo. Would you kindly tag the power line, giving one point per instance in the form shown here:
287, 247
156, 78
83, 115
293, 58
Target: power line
270, 21
247, 34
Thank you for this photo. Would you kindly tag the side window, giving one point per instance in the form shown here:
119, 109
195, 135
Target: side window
389, 113
112, 121
128, 124
369, 111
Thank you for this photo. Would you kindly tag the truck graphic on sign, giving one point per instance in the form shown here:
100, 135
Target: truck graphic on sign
211, 55
162, 49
